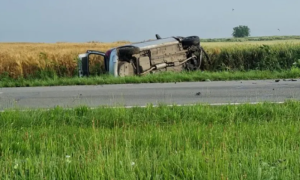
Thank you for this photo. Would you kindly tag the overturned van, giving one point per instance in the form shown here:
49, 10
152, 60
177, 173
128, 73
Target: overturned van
162, 54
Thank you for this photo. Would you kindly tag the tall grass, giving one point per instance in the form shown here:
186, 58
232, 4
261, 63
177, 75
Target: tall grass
196, 142
254, 57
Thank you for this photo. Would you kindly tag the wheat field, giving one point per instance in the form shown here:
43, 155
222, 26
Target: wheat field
25, 59
20, 59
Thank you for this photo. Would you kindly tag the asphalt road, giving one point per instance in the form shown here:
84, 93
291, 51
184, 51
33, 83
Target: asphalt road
143, 94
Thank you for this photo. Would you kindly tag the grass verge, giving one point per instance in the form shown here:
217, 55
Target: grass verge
193, 142
153, 78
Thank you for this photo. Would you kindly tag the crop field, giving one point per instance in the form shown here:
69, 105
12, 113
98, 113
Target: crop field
25, 59
48, 60
192, 142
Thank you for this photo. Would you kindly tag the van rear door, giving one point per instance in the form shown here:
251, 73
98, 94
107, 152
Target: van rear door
84, 62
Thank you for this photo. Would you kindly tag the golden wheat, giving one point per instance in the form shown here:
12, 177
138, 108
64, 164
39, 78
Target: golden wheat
23, 59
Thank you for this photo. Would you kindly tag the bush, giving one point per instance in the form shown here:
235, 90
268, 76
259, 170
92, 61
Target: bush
253, 57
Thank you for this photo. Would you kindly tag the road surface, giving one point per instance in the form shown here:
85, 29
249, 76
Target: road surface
143, 94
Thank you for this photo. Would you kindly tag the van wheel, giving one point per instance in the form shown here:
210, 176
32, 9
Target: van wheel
125, 69
194, 64
190, 41
129, 50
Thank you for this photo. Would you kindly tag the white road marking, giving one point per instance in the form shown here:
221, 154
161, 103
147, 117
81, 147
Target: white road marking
128, 107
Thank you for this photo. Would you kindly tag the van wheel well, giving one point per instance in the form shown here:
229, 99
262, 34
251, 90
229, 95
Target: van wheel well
129, 50
191, 41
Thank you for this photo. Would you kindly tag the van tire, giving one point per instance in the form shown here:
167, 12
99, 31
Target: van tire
125, 69
190, 41
129, 50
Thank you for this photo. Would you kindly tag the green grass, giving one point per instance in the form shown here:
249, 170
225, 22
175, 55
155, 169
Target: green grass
153, 78
194, 142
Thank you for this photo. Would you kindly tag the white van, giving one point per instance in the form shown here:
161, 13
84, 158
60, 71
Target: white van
162, 54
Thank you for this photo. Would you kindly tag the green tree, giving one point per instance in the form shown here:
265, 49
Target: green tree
241, 31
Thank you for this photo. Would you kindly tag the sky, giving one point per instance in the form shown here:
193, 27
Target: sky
137, 20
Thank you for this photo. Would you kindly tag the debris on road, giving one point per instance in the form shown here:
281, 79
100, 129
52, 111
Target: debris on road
277, 80
198, 93
289, 79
